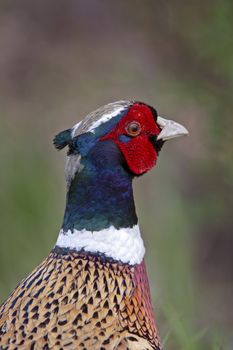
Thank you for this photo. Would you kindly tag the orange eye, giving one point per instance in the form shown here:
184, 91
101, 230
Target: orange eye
133, 129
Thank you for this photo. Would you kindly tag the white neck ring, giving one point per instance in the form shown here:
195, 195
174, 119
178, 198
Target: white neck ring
124, 244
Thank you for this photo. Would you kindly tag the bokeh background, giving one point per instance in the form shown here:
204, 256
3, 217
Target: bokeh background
59, 60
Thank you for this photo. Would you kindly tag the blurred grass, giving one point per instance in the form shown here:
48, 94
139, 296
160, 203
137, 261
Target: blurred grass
29, 215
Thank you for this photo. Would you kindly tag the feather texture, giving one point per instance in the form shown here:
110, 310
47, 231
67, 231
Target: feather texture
75, 301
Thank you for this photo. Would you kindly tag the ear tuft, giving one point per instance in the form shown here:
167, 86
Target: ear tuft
62, 139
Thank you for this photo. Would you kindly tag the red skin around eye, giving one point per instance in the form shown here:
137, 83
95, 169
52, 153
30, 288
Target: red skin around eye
139, 152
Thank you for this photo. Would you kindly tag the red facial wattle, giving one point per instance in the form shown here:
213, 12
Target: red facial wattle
138, 151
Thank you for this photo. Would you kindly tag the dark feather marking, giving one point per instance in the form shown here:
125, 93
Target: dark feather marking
39, 291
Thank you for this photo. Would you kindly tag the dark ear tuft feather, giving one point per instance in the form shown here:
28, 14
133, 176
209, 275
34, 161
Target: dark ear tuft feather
62, 139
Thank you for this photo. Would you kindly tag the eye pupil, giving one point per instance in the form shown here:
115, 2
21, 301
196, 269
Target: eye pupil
133, 129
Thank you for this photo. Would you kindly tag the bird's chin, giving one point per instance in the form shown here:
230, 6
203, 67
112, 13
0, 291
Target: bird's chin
157, 144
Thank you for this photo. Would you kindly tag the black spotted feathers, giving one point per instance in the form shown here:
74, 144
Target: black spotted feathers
77, 302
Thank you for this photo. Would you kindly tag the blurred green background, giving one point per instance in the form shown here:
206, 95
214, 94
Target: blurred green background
60, 60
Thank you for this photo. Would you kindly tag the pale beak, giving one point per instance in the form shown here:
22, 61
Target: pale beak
170, 129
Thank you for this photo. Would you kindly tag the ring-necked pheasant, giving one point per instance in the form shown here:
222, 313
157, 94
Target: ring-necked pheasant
92, 292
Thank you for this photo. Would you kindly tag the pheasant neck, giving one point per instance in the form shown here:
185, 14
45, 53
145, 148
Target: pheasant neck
98, 199
100, 214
